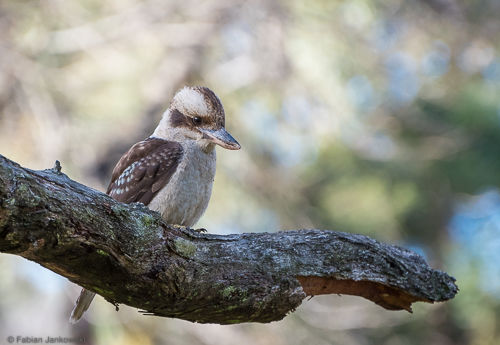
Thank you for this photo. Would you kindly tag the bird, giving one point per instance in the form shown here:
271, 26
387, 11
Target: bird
172, 171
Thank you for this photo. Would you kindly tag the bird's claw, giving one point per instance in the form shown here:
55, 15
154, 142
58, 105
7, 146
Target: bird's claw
199, 231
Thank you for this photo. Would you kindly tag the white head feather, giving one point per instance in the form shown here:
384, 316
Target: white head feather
190, 101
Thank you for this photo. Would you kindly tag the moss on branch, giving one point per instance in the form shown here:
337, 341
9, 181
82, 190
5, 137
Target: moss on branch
127, 254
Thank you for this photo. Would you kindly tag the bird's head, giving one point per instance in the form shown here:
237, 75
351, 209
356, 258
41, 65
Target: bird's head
196, 113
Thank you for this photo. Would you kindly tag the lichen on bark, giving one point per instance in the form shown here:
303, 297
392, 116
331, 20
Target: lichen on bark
127, 254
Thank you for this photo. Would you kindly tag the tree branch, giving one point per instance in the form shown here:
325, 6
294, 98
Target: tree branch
127, 254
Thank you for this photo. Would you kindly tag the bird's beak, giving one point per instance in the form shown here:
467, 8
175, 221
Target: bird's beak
221, 137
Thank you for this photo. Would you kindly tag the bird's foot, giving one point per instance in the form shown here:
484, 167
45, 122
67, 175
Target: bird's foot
199, 231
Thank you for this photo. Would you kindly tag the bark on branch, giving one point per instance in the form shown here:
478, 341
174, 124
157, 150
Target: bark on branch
127, 254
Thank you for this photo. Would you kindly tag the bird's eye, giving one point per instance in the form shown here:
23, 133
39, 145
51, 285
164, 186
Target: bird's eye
197, 120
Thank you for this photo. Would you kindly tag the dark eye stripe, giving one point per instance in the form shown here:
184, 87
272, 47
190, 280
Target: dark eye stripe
178, 119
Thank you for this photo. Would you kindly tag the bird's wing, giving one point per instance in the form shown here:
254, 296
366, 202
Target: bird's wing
144, 170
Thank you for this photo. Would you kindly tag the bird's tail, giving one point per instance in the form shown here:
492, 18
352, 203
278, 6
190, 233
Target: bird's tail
82, 304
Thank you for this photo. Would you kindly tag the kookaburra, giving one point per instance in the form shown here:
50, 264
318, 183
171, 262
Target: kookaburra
173, 170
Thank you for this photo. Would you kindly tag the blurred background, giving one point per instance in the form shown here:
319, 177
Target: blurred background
379, 118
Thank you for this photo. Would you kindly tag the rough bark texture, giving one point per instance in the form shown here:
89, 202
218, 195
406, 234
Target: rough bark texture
127, 254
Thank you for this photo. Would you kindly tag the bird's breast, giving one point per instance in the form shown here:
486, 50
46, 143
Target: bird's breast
185, 197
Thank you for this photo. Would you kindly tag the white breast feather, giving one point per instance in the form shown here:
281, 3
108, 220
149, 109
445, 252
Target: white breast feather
185, 197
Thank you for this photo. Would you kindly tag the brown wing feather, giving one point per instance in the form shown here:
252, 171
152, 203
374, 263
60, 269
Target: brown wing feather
144, 170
